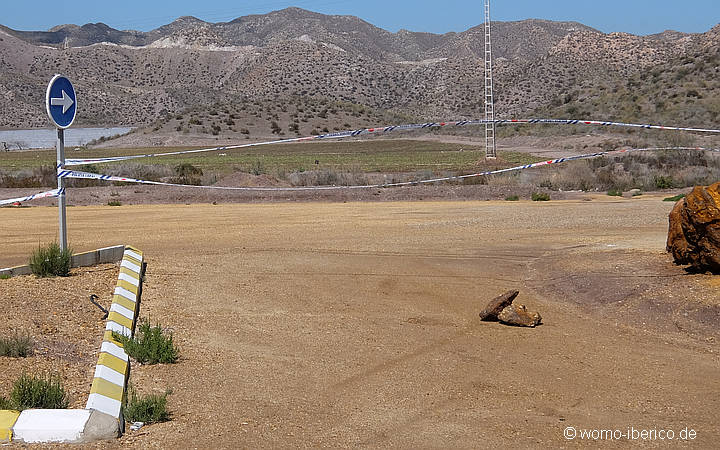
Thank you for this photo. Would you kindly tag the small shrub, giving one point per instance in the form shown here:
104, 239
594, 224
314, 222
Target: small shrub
43, 392
512, 198
540, 197
676, 198
187, 174
17, 346
114, 203
615, 193
258, 167
150, 345
664, 182
5, 403
148, 409
51, 261
5, 276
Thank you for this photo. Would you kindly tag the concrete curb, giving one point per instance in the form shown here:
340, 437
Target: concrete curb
87, 259
113, 367
102, 418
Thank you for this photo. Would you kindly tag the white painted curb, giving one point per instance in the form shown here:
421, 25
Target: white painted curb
64, 426
102, 419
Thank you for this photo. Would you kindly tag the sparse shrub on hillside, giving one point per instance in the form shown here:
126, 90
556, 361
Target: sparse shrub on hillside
16, 346
151, 172
51, 261
43, 176
5, 403
38, 392
664, 182
327, 177
150, 345
258, 167
151, 408
540, 197
186, 173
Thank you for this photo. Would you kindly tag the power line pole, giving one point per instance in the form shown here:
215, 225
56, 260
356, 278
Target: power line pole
490, 149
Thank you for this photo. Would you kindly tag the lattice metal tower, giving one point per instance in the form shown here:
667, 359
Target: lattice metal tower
490, 149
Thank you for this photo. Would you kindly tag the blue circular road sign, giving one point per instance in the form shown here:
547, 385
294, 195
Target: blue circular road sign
61, 102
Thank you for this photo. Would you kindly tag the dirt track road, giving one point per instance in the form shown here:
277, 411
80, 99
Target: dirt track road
355, 325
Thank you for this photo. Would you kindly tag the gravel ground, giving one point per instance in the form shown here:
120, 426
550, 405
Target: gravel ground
65, 327
348, 325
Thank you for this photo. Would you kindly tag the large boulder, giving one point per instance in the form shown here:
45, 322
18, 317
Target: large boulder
694, 235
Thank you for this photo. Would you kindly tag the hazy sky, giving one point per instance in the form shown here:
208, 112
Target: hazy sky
632, 16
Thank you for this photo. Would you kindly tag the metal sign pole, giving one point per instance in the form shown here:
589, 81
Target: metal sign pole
61, 184
61, 106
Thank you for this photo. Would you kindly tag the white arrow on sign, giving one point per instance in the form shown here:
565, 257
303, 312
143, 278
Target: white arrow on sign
66, 102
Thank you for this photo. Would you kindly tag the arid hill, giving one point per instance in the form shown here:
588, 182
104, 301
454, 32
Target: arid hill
137, 78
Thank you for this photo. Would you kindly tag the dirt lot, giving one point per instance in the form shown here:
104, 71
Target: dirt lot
338, 325
66, 329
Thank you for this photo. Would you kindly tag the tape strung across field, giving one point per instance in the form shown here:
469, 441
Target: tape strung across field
388, 129
355, 133
95, 176
53, 193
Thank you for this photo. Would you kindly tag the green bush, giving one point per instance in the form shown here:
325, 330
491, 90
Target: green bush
42, 392
664, 182
114, 203
258, 167
148, 409
512, 198
187, 174
540, 197
5, 403
17, 346
51, 261
5, 276
615, 193
675, 198
150, 345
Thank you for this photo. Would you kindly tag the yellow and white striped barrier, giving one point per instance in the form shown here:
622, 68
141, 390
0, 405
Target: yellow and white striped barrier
100, 420
113, 367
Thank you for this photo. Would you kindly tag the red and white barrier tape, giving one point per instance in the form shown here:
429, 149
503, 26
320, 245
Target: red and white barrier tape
388, 129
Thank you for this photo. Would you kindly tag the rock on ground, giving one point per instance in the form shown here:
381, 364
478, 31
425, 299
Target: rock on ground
518, 315
694, 234
496, 305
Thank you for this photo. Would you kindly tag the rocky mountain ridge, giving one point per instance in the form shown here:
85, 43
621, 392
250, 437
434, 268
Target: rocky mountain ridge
136, 78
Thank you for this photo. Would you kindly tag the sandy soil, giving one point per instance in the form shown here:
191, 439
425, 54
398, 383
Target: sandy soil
65, 327
348, 325
143, 195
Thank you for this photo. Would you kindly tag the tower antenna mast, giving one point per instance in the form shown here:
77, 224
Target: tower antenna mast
490, 149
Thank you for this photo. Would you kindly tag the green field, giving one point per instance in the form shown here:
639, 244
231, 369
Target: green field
391, 156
